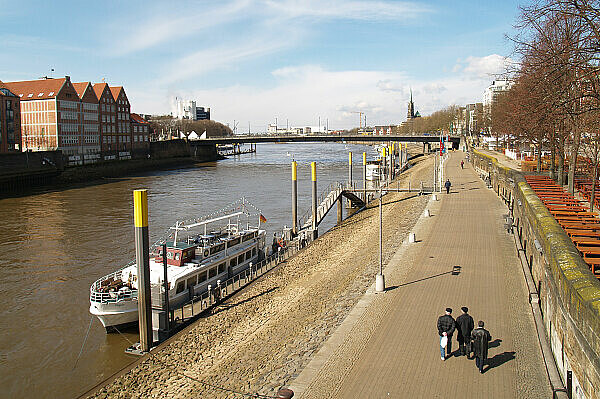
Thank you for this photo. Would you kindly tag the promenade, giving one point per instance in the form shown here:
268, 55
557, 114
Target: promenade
388, 346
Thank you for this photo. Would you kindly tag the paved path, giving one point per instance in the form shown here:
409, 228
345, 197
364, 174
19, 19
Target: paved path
388, 346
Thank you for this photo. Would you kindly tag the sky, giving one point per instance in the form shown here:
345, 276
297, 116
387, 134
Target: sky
257, 61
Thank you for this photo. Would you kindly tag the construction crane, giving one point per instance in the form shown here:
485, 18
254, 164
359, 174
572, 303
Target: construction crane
360, 114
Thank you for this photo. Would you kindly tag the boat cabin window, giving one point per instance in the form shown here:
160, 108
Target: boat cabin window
180, 287
221, 268
233, 262
191, 281
248, 236
253, 251
217, 248
233, 242
202, 277
240, 258
248, 255
212, 272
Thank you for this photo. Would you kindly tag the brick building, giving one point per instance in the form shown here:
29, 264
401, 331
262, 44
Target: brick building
140, 132
49, 115
107, 118
87, 118
10, 121
123, 124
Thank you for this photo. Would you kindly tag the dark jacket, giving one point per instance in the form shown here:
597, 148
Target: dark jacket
445, 324
464, 325
447, 184
481, 338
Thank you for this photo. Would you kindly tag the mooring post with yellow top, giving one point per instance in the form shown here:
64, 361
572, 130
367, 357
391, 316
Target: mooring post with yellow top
365, 177
313, 174
294, 198
142, 258
383, 166
350, 169
392, 160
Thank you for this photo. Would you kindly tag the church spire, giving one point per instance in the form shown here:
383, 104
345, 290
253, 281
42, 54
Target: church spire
411, 108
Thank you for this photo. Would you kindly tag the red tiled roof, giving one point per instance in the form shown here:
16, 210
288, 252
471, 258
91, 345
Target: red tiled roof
36, 89
138, 119
116, 90
99, 89
80, 88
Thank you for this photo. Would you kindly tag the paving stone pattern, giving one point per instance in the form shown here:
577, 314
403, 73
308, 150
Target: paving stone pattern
391, 349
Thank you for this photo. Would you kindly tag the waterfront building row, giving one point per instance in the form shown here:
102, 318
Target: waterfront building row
83, 120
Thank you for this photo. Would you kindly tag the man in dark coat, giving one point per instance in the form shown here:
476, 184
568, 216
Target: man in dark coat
481, 338
445, 326
464, 326
447, 185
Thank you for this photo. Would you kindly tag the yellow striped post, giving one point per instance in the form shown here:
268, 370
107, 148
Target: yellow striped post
294, 198
313, 174
365, 177
142, 257
350, 169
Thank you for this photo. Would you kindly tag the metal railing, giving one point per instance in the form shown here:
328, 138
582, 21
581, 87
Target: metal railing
207, 299
308, 213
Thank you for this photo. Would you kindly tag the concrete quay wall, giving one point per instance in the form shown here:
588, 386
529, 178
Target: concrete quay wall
23, 170
566, 290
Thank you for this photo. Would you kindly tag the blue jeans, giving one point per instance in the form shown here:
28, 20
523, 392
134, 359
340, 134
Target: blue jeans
448, 347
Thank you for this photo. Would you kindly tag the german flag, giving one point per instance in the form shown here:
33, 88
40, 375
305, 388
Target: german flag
262, 218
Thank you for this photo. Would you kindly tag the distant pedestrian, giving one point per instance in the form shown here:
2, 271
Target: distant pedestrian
464, 326
481, 339
462, 164
447, 185
445, 326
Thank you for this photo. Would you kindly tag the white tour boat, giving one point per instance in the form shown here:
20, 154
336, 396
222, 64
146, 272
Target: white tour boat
197, 256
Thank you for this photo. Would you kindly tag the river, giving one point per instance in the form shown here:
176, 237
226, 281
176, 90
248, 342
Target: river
55, 243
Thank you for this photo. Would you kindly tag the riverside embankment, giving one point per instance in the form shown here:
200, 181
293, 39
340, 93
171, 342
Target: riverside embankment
20, 172
262, 338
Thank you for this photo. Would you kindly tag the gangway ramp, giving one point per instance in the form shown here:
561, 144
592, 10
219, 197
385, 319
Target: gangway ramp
327, 201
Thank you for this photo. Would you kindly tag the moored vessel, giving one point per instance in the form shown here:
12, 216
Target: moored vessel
199, 253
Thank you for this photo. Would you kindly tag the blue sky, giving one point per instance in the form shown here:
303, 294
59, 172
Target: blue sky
255, 60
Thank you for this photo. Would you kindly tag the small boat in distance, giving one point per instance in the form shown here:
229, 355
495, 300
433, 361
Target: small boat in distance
373, 170
199, 253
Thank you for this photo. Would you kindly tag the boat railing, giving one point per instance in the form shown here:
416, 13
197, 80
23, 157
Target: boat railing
96, 294
207, 299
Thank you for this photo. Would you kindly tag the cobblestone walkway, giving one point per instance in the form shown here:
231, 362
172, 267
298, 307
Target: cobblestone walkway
388, 346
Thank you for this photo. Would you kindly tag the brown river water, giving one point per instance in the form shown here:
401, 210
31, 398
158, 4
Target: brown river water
55, 243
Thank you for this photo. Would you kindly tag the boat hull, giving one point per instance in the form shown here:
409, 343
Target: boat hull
116, 315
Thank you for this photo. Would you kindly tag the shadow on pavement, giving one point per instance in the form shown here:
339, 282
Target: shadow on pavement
499, 360
393, 287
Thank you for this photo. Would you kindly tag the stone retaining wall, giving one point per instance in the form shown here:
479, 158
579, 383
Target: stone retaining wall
568, 292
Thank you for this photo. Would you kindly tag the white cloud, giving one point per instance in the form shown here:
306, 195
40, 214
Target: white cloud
344, 9
303, 93
168, 22
482, 67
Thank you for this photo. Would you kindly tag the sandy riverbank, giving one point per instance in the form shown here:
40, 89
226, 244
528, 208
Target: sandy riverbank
259, 340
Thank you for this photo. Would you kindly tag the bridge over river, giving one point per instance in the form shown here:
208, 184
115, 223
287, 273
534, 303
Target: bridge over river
323, 138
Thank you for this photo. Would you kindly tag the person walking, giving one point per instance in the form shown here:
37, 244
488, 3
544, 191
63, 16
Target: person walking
481, 339
447, 185
462, 164
446, 325
464, 326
